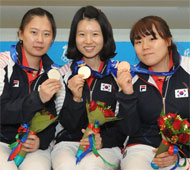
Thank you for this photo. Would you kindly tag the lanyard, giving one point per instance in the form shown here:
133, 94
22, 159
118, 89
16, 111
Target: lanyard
13, 54
110, 69
14, 58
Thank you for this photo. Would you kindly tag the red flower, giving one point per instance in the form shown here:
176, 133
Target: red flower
185, 122
171, 115
93, 105
167, 133
183, 138
161, 122
108, 113
177, 124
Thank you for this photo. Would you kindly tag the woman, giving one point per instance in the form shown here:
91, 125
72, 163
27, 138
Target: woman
150, 94
91, 42
25, 89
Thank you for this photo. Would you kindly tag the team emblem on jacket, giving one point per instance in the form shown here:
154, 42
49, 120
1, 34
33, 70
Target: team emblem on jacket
142, 88
179, 93
106, 87
16, 83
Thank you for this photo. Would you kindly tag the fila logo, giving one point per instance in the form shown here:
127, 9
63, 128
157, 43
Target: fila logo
16, 83
179, 93
142, 88
106, 87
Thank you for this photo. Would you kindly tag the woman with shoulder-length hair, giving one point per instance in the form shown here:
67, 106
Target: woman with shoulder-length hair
90, 43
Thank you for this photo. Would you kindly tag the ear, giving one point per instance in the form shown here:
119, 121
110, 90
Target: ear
169, 41
20, 34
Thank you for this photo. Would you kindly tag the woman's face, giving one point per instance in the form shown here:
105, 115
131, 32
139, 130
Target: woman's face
37, 36
151, 51
89, 38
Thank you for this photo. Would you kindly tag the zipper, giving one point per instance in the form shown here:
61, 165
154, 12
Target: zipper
91, 90
164, 96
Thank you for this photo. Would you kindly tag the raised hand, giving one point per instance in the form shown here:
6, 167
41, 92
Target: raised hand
48, 88
75, 84
124, 80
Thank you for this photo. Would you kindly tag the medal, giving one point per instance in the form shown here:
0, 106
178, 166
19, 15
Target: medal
124, 65
54, 74
84, 70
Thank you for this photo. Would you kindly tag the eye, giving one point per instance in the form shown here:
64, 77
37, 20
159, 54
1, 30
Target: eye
33, 32
152, 38
81, 34
95, 34
137, 41
47, 34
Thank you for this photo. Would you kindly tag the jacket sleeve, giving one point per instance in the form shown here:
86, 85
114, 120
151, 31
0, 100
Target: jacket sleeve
72, 113
130, 122
116, 133
111, 135
20, 109
46, 136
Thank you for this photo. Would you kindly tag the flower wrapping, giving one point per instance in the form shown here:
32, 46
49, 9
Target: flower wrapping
98, 114
39, 122
175, 133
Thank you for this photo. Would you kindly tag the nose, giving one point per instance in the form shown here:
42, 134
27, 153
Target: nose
145, 44
88, 39
40, 38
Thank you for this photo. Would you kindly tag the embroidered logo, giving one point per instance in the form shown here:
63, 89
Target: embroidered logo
142, 88
16, 83
179, 93
106, 87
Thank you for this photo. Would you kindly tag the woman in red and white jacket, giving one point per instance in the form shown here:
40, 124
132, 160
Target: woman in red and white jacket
25, 89
149, 94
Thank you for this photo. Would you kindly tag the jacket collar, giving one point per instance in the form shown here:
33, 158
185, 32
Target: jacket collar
46, 61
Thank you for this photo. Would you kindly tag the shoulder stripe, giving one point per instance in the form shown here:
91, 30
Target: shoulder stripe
185, 63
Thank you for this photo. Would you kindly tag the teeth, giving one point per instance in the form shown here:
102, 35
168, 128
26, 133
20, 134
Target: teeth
89, 48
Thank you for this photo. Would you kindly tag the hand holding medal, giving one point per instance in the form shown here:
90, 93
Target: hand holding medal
124, 78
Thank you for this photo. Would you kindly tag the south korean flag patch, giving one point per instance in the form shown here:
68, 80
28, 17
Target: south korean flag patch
180, 93
106, 87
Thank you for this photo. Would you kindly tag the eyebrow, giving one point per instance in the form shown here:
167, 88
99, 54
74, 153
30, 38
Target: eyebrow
38, 29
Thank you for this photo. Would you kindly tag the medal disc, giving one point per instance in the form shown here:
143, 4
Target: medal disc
123, 65
54, 74
85, 71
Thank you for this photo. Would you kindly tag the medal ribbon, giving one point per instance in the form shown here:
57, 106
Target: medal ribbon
13, 55
110, 69
92, 145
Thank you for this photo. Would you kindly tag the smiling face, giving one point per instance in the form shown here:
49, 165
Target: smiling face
37, 36
152, 51
89, 38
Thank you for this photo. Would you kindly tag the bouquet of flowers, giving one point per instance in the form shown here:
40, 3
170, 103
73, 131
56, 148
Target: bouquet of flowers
175, 131
39, 122
98, 114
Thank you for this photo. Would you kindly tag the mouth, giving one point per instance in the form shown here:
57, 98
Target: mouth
89, 48
38, 48
147, 54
